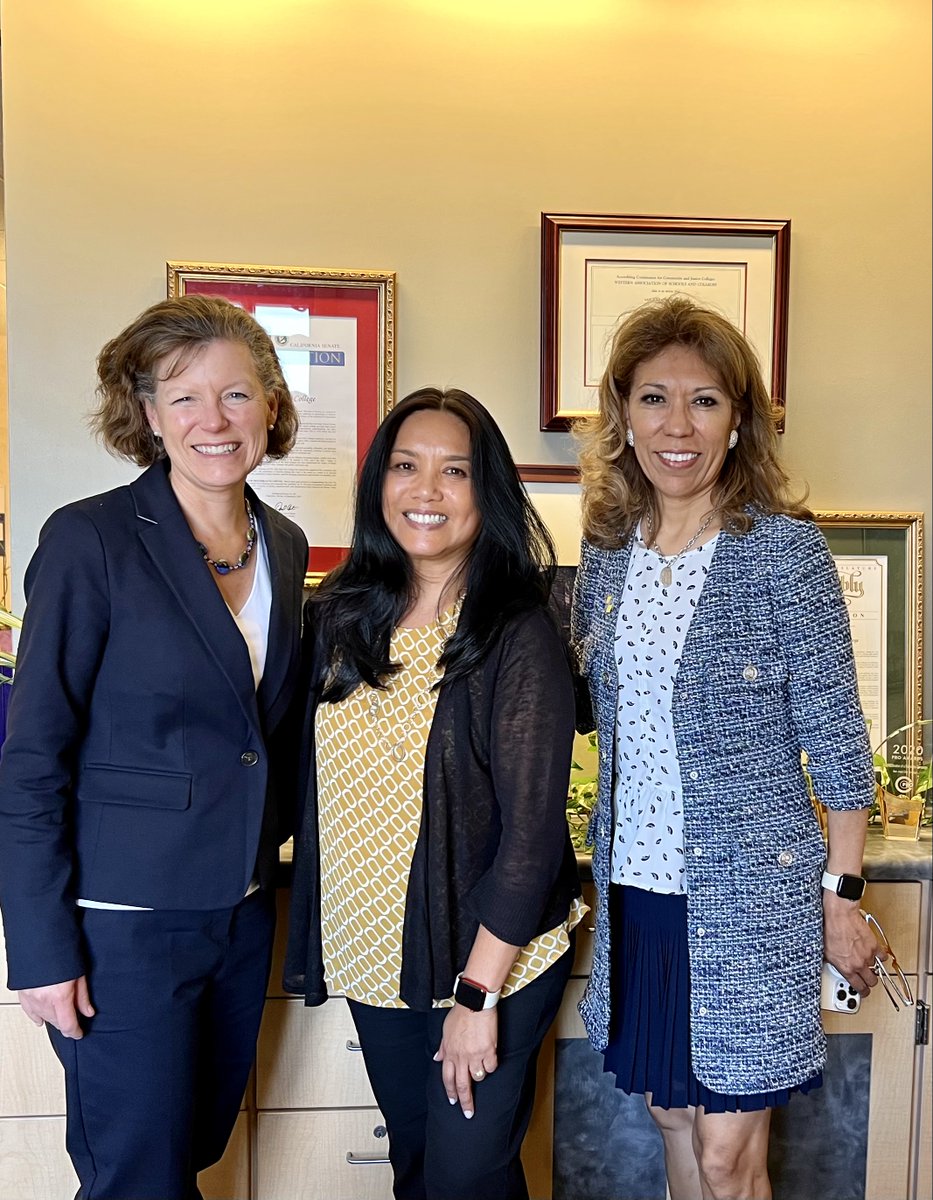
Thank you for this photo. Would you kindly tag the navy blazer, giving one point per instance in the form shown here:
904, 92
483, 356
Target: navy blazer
141, 765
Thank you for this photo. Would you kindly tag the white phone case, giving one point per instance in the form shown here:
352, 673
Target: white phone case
836, 994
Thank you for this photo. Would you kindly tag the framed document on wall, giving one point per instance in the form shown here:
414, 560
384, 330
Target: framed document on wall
879, 557
596, 269
334, 335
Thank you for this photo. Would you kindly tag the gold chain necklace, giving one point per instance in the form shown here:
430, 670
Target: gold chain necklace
667, 572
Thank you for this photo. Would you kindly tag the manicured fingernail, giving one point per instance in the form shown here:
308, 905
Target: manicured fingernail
468, 1115
451, 1100
437, 1057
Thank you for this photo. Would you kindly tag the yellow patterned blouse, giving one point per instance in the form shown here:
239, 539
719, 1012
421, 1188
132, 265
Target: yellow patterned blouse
370, 766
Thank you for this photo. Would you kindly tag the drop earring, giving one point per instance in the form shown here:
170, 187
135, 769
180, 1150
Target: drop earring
733, 439
629, 438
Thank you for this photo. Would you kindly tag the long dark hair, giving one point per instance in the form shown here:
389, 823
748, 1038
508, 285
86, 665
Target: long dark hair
510, 567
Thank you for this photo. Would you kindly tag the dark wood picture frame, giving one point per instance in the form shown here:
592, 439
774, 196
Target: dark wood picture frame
676, 241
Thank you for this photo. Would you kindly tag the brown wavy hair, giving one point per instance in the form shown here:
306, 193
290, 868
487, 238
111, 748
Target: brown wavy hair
616, 493
127, 366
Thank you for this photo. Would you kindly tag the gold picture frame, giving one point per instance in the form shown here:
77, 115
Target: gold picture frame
363, 303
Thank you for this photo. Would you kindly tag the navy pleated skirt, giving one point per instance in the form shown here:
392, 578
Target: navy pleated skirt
649, 1033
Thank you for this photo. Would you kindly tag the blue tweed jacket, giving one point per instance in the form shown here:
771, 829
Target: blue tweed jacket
767, 669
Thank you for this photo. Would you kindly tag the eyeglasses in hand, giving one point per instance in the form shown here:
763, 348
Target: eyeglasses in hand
893, 979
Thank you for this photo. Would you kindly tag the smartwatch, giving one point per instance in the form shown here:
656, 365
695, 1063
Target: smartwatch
849, 887
473, 995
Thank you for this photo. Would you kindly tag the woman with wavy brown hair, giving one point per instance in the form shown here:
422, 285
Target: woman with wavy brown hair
709, 623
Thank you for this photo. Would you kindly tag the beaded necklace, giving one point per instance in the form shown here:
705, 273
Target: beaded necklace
220, 565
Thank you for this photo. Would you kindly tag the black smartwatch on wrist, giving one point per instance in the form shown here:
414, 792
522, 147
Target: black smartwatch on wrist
474, 996
849, 887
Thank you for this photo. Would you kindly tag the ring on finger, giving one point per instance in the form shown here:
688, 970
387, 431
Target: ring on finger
479, 1073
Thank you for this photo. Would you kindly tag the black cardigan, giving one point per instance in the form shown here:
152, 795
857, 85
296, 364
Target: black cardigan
493, 848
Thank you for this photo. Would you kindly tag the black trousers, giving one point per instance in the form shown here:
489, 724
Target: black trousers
436, 1153
154, 1086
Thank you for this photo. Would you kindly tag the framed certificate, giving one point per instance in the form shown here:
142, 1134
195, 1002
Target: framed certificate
334, 335
879, 557
597, 269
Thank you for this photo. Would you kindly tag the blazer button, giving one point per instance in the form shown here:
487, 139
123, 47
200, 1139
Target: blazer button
249, 758
785, 858
750, 674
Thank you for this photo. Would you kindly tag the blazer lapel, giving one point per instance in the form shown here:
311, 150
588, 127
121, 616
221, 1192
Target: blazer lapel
164, 533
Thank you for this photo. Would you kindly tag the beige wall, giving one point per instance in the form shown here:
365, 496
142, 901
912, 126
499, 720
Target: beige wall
426, 136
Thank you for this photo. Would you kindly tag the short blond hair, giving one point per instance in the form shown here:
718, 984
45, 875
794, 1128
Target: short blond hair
126, 371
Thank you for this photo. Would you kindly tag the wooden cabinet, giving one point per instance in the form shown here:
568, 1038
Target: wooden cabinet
310, 1124
318, 1130
339, 1153
34, 1164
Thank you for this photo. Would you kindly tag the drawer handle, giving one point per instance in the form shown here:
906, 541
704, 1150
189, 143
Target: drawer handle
366, 1160
355, 1046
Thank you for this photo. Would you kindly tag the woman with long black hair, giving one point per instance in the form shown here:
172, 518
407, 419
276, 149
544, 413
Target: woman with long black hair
435, 885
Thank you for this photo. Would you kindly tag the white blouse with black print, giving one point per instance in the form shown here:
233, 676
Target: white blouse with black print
648, 835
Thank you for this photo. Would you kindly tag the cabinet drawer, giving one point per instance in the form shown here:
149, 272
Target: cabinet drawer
31, 1080
309, 1154
34, 1164
306, 1059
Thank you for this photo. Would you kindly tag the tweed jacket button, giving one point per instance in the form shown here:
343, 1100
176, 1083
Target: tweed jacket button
785, 858
702, 1010
701, 932
694, 774
606, 677
697, 851
750, 673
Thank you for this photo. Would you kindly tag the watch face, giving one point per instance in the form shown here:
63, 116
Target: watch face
850, 887
470, 996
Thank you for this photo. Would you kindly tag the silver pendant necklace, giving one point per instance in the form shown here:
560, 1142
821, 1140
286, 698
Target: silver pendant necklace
667, 568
